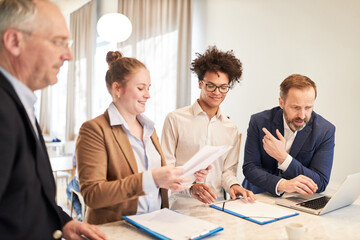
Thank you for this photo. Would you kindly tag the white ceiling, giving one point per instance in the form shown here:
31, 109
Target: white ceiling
69, 6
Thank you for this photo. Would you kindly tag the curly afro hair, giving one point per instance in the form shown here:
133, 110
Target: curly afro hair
214, 60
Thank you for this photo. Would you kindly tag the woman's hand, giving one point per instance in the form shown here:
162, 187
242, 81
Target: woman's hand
169, 178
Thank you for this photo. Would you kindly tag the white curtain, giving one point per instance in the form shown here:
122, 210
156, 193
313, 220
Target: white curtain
52, 109
80, 74
45, 111
161, 38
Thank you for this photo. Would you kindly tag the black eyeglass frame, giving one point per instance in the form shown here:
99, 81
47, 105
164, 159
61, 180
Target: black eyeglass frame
216, 87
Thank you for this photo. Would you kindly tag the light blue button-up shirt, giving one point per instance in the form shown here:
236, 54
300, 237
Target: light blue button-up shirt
147, 158
27, 97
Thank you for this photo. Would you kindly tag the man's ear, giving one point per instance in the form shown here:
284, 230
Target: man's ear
281, 102
199, 84
12, 40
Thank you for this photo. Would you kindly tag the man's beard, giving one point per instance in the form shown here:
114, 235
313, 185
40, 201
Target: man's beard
292, 125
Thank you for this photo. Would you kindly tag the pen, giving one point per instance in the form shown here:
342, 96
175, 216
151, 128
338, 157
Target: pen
228, 200
199, 235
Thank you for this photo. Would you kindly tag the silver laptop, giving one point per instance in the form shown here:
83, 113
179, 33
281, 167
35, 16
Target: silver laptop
320, 204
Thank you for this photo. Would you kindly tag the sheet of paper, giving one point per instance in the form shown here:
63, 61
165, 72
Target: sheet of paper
261, 212
173, 225
202, 159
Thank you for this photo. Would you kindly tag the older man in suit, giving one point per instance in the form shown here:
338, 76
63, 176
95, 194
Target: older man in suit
33, 46
289, 148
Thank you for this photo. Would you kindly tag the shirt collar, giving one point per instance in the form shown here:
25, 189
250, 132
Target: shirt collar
197, 110
26, 95
117, 119
287, 129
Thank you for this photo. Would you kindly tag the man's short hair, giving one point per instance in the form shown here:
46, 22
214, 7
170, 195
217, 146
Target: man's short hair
296, 81
17, 14
215, 61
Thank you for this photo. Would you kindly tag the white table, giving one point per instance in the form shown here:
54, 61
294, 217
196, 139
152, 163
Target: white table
340, 224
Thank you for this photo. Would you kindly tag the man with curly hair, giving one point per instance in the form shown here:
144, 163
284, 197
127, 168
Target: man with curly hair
187, 130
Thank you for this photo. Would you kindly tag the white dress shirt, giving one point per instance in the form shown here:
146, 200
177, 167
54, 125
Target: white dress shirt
289, 136
147, 158
187, 130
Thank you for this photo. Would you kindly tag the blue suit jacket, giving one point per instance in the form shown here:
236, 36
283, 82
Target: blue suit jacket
312, 152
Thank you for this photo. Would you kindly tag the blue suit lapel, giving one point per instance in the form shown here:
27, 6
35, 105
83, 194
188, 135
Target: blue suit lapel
277, 123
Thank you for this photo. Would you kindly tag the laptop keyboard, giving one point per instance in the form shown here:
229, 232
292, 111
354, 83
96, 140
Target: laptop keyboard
316, 203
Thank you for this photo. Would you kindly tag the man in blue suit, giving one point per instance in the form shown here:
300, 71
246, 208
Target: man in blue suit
289, 148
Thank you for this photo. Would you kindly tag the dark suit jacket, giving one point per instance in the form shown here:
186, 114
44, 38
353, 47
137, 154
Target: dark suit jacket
312, 152
108, 174
27, 188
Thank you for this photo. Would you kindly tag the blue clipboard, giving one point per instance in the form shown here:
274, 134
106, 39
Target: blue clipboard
252, 219
164, 237
158, 235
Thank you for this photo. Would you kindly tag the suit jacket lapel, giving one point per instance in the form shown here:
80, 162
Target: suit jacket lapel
9, 88
125, 147
156, 143
300, 139
40, 153
278, 123
43, 167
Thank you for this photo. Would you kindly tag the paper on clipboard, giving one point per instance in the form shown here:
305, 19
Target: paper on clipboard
168, 224
202, 159
257, 212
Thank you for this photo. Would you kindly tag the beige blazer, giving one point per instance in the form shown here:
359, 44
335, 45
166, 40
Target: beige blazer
108, 175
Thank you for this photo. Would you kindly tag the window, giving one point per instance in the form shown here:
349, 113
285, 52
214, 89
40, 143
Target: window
159, 55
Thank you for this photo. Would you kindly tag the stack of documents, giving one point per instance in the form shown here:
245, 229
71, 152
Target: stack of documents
202, 159
257, 212
168, 224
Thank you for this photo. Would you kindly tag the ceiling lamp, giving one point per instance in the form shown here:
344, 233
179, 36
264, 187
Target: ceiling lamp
114, 27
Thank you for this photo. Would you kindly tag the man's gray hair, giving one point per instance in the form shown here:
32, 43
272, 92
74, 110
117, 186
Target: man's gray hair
17, 14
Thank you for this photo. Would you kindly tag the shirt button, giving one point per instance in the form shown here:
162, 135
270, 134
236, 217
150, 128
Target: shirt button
57, 234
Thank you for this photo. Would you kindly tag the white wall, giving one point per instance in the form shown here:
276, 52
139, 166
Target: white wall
273, 39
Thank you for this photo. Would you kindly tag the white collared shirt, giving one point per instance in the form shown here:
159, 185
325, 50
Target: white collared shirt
26, 96
289, 136
187, 130
147, 158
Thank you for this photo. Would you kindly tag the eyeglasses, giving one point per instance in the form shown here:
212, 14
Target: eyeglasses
58, 42
64, 43
212, 88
